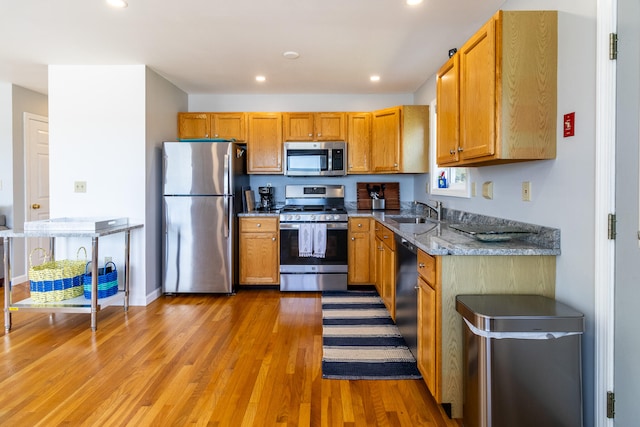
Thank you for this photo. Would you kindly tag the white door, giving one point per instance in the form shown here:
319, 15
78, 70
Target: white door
37, 177
627, 248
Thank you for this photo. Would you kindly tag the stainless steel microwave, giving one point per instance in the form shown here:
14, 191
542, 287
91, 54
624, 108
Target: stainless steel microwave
315, 158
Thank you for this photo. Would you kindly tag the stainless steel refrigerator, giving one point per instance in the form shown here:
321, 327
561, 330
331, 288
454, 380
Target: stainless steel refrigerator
202, 194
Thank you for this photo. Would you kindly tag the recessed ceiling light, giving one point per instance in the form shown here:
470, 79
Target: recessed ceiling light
290, 54
260, 78
413, 2
117, 3
375, 78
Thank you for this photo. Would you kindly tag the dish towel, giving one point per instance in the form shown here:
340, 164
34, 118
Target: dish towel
319, 240
305, 240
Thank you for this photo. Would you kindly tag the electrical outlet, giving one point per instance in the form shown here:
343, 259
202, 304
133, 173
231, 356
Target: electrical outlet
80, 186
487, 190
526, 191
107, 259
473, 189
0, 184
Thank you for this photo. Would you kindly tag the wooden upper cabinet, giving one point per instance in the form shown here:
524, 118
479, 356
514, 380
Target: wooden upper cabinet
229, 126
385, 147
448, 115
194, 125
315, 126
359, 142
400, 139
212, 125
507, 92
264, 143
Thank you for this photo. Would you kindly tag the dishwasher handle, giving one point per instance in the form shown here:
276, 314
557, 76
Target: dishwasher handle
406, 243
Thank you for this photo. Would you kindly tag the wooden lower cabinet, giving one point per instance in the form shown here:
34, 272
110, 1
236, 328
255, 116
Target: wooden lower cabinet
361, 252
428, 321
440, 326
259, 251
386, 267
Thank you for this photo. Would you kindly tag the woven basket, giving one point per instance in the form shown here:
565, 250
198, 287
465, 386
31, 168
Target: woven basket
56, 280
107, 281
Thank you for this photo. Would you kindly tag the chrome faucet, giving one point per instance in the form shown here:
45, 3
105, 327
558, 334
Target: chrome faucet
437, 209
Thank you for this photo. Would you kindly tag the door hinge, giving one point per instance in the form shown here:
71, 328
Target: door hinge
612, 227
611, 403
613, 46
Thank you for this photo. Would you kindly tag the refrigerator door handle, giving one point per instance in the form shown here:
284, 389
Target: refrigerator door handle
227, 190
227, 216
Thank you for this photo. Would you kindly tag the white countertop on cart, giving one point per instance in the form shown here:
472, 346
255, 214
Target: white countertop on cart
71, 227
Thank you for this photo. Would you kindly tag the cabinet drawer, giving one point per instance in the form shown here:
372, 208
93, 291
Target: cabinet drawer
386, 235
359, 224
262, 224
427, 267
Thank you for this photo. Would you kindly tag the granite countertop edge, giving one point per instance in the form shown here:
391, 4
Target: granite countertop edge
437, 238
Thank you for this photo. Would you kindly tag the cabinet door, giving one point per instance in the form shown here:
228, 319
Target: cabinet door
298, 126
264, 143
478, 94
330, 126
389, 280
448, 114
360, 253
229, 125
359, 142
427, 333
259, 258
385, 150
379, 248
259, 251
194, 125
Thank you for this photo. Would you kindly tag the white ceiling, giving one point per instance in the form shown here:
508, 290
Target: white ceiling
219, 46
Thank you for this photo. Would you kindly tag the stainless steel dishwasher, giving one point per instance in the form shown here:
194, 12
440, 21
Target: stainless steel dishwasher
406, 294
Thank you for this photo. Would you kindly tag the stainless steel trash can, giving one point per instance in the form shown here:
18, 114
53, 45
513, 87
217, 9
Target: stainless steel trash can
523, 361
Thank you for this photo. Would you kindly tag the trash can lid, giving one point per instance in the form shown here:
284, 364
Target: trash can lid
519, 313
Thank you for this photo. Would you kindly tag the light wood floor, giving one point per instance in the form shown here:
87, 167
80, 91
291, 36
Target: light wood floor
253, 359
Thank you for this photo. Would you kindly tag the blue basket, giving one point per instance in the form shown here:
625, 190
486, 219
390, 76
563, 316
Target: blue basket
107, 281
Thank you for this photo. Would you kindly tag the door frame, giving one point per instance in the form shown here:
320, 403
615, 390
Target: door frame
28, 154
604, 271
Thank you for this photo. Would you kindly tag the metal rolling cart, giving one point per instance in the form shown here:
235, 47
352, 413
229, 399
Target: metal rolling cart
93, 228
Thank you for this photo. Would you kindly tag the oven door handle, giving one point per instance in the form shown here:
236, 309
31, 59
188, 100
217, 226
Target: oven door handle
330, 225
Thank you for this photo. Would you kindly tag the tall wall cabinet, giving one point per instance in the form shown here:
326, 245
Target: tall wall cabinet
497, 95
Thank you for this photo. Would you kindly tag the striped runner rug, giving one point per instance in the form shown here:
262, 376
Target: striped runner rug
360, 340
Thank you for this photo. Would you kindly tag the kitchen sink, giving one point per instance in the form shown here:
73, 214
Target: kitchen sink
409, 219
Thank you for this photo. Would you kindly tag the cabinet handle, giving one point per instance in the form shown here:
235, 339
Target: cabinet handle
452, 151
417, 288
206, 135
258, 225
385, 237
311, 135
273, 238
395, 165
319, 134
421, 265
359, 225
460, 149
215, 136
353, 238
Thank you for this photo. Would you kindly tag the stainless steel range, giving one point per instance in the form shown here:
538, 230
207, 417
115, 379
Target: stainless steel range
313, 239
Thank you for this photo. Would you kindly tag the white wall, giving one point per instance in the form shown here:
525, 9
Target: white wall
97, 135
562, 189
6, 152
163, 101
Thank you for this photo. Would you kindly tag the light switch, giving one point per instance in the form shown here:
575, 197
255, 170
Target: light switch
487, 190
526, 191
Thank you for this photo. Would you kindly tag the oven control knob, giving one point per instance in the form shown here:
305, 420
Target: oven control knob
312, 217
297, 217
336, 217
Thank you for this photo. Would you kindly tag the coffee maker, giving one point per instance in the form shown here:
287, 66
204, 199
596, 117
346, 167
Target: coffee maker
266, 198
